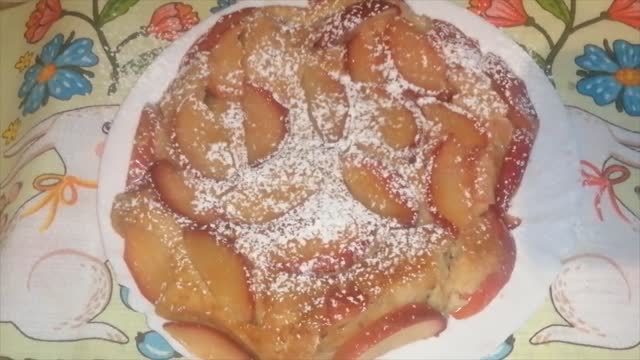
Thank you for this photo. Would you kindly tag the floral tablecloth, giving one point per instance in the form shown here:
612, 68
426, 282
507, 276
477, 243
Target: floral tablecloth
66, 65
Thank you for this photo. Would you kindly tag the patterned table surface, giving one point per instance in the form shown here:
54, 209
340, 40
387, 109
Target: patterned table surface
65, 65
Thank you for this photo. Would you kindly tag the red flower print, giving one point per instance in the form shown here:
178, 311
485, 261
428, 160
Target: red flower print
172, 19
503, 13
603, 181
45, 14
626, 12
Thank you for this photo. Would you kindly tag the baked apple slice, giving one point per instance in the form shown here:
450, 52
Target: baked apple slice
332, 60
443, 32
474, 95
463, 180
513, 91
205, 342
513, 167
409, 323
501, 131
225, 273
263, 53
211, 39
175, 191
377, 189
148, 231
456, 124
490, 255
451, 185
186, 297
398, 126
415, 58
190, 82
485, 176
148, 259
261, 203
366, 49
143, 154
265, 124
226, 76
327, 102
202, 138
272, 57
336, 29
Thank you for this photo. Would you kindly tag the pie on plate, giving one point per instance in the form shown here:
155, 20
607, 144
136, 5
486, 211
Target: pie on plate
330, 181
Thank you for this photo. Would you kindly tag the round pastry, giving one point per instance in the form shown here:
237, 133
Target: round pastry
330, 181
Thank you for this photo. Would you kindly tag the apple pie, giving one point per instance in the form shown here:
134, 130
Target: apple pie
325, 182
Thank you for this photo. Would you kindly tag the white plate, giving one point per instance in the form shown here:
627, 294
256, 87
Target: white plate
546, 201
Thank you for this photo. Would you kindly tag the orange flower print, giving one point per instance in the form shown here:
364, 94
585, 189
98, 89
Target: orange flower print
45, 14
172, 19
626, 12
503, 13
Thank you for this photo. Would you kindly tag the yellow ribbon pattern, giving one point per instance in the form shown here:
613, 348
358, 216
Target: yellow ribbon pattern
59, 190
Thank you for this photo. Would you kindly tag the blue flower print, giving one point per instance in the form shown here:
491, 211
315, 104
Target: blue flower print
611, 75
222, 4
58, 72
153, 346
503, 350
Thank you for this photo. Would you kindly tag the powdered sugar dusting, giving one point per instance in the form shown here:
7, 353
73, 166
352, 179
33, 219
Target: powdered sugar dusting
293, 216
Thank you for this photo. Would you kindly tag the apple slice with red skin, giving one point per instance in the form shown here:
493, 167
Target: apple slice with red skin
147, 230
258, 203
501, 130
366, 49
513, 167
265, 124
398, 126
206, 342
226, 75
336, 29
171, 184
456, 124
225, 273
186, 297
148, 260
142, 155
327, 101
512, 91
492, 228
272, 56
344, 302
484, 172
190, 82
415, 57
525, 122
211, 38
409, 323
451, 186
372, 185
197, 128
443, 32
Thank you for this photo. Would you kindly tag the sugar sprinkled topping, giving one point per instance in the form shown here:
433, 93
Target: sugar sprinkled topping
293, 216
